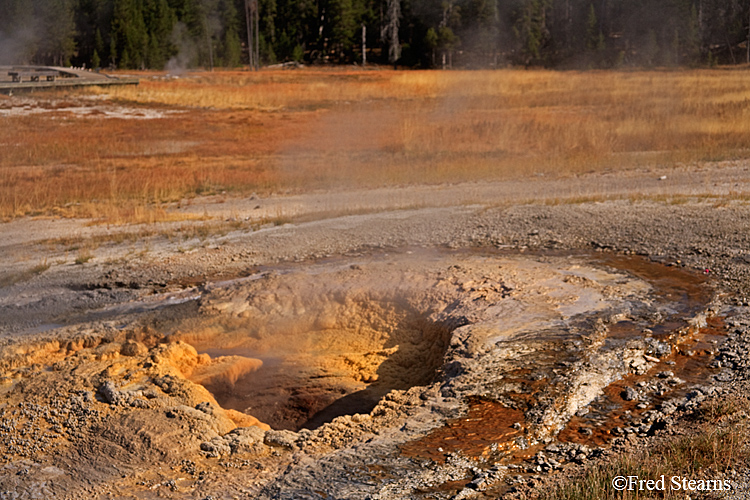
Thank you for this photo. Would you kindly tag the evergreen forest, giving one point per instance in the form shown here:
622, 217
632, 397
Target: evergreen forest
172, 34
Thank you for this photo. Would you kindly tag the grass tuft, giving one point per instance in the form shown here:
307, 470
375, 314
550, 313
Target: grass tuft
40, 268
83, 258
13, 278
707, 453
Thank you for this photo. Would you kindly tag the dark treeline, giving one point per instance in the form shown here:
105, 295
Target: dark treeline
417, 33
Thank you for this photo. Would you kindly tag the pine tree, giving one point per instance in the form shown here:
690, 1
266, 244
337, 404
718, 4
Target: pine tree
431, 42
268, 41
295, 24
113, 51
447, 41
692, 42
57, 26
594, 35
98, 42
230, 49
531, 30
339, 28
130, 34
159, 20
481, 30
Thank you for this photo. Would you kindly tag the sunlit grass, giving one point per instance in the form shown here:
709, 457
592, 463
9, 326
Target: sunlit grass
240, 132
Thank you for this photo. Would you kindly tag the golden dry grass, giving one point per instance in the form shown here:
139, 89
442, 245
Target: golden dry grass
719, 443
311, 129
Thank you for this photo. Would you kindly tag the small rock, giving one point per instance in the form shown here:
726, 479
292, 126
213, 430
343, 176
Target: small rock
139, 403
133, 348
629, 394
282, 438
695, 395
110, 393
658, 348
216, 448
205, 407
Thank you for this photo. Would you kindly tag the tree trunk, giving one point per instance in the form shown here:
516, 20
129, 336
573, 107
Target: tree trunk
210, 49
250, 44
729, 46
389, 31
256, 8
364, 45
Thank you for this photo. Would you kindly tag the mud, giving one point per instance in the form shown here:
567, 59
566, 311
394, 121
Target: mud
487, 427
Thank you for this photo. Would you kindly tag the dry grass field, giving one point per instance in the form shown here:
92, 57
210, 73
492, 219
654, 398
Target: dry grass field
296, 130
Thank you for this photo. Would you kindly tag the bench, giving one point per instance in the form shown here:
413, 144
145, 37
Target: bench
33, 76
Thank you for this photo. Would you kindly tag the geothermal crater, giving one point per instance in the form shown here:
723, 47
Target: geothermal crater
318, 356
419, 354
315, 342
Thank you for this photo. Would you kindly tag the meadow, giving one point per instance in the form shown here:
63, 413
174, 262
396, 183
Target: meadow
280, 131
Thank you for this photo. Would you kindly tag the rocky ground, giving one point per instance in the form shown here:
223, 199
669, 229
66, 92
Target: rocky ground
490, 342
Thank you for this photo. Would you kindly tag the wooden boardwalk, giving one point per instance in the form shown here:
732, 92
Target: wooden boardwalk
66, 78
